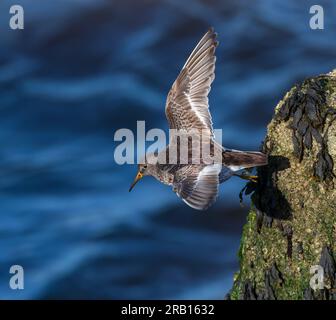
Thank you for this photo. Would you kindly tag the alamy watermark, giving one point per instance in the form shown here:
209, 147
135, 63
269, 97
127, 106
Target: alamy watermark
16, 281
16, 21
317, 280
316, 22
185, 146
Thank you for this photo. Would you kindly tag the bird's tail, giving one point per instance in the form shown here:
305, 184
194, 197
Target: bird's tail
237, 160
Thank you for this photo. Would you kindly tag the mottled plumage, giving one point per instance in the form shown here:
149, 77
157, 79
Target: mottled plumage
187, 108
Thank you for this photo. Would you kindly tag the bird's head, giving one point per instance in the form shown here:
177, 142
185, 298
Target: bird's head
142, 171
147, 167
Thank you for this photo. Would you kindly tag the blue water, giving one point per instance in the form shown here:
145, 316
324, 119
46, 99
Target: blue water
81, 70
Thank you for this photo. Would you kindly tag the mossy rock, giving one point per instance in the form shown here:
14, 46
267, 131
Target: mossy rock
292, 222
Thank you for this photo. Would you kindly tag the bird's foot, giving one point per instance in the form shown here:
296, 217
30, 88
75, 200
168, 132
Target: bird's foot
248, 177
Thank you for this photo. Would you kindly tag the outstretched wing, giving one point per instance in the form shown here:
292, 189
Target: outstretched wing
198, 185
187, 102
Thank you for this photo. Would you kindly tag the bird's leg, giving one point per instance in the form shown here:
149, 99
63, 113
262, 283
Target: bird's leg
247, 177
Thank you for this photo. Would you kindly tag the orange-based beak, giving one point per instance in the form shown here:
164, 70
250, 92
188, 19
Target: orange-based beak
137, 178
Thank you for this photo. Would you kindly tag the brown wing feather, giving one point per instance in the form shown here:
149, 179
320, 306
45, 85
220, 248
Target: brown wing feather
187, 102
197, 185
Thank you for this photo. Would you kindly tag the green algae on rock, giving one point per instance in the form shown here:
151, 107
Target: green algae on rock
292, 222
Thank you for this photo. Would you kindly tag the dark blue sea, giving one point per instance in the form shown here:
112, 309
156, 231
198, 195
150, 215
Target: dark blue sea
80, 70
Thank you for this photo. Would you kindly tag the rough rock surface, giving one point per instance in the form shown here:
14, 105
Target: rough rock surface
292, 222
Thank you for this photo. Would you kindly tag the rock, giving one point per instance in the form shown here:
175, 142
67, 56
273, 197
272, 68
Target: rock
292, 222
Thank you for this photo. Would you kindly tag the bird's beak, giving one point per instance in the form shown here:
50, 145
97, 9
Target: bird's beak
137, 178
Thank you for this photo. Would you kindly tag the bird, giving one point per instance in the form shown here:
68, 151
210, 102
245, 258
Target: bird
187, 108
